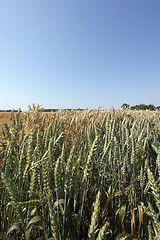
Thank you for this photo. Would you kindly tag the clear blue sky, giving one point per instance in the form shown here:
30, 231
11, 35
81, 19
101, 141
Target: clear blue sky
79, 53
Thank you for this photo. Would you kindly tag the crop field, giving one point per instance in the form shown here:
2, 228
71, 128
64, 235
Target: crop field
91, 174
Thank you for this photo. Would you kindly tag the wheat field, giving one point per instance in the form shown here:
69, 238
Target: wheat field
91, 174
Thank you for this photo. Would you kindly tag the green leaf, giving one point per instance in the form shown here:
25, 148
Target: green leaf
122, 214
27, 233
15, 226
32, 222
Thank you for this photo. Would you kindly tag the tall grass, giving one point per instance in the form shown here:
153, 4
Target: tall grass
80, 175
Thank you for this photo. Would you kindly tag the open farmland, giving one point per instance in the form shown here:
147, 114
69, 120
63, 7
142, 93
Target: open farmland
4, 117
91, 174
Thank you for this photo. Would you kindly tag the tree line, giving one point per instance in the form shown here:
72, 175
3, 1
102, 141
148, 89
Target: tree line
150, 107
44, 110
125, 106
9, 110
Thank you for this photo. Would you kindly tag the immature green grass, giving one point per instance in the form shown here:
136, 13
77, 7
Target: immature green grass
89, 174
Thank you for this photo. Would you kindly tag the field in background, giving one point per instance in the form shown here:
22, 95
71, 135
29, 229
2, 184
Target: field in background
89, 174
4, 117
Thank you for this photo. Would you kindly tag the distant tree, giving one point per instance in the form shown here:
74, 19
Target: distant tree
133, 107
150, 107
158, 107
125, 106
142, 107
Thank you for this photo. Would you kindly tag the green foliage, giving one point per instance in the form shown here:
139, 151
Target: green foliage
150, 107
125, 106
